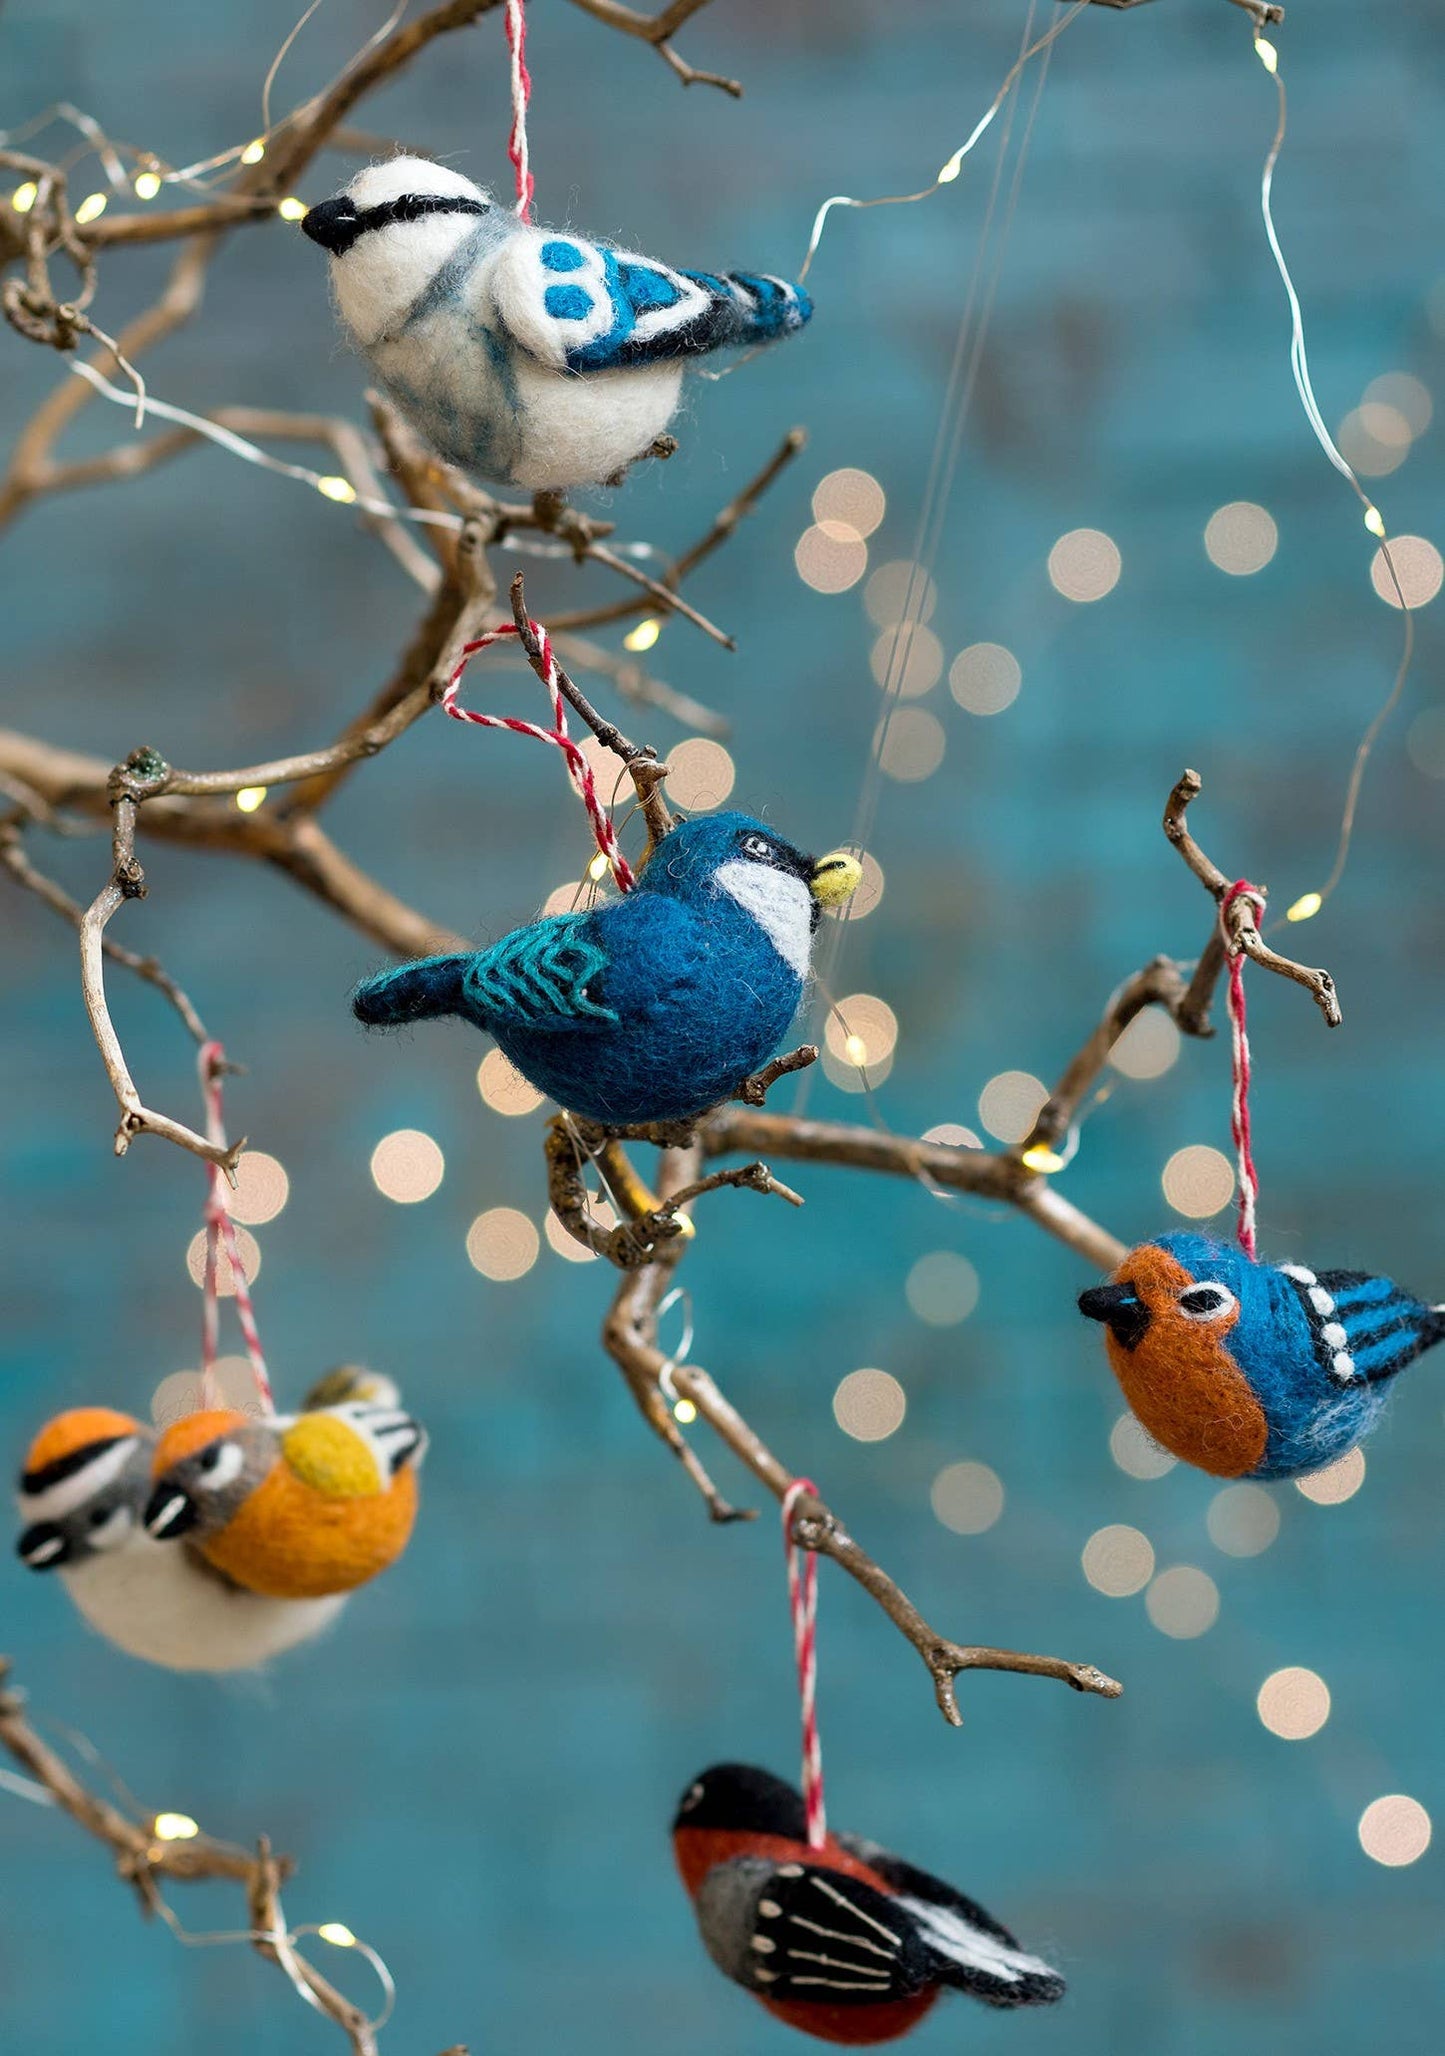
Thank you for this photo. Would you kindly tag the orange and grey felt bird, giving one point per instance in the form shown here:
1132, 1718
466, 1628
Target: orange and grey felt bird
844, 1942
296, 1508
1252, 1370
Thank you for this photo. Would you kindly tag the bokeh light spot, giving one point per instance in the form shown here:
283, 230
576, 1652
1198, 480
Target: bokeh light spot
1085, 564
1136, 1452
1240, 538
1418, 566
407, 1166
1293, 1703
953, 1136
985, 678
503, 1088
1183, 1602
1198, 1181
1395, 1830
967, 1497
700, 774
1118, 1561
942, 1288
250, 1251
908, 661
1338, 1482
502, 1243
910, 745
854, 499
261, 1190
830, 557
1009, 1104
869, 1405
1243, 1520
1148, 1046
898, 588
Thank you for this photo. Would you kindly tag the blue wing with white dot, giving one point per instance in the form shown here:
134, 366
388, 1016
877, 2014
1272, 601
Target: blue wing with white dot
1364, 1329
580, 306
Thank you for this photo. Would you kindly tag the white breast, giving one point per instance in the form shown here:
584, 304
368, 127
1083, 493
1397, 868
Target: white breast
154, 1600
779, 902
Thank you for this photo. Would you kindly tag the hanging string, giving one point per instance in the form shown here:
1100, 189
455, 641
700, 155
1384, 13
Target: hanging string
1239, 1108
578, 768
516, 19
1374, 521
803, 1598
211, 1063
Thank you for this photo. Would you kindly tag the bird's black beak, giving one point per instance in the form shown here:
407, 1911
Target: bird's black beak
1121, 1308
170, 1512
43, 1546
333, 224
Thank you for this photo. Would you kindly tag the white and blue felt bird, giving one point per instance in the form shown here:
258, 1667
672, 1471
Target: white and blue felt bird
525, 354
653, 1007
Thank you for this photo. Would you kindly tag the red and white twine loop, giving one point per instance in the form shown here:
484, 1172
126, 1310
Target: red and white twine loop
1239, 1108
803, 1597
578, 768
217, 1216
516, 22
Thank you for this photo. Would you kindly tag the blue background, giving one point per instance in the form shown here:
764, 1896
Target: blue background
477, 1771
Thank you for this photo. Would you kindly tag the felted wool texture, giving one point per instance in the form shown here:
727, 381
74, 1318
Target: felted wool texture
895, 1936
304, 1529
161, 1602
525, 354
1279, 1384
653, 1007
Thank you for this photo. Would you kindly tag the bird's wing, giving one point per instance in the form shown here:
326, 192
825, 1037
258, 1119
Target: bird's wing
1365, 1328
580, 306
540, 977
810, 1933
970, 1949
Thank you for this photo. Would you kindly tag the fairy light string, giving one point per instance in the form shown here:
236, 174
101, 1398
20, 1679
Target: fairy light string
803, 1600
1310, 903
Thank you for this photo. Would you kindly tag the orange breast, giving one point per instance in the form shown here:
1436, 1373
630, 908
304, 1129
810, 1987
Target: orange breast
1180, 1379
291, 1542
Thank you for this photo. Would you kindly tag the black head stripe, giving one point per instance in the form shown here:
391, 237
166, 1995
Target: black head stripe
64, 1467
336, 224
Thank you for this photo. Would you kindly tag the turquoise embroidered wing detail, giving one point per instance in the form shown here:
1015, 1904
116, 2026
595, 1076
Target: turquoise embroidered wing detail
540, 977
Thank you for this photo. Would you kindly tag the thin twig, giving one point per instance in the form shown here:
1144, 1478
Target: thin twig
658, 29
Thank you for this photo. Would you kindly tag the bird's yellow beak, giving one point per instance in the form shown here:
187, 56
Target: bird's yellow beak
835, 878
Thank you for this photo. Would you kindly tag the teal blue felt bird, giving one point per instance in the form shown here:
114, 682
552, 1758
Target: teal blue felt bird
655, 1006
1255, 1370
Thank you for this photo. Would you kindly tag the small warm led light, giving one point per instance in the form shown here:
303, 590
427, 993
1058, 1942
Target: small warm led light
1265, 51
855, 1049
1041, 1159
337, 489
292, 209
598, 868
24, 197
252, 154
685, 1412
91, 208
1374, 521
951, 170
643, 636
147, 184
336, 1932
174, 1827
1305, 907
250, 797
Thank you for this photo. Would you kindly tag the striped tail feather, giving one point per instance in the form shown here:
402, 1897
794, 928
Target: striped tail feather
986, 1962
749, 307
417, 992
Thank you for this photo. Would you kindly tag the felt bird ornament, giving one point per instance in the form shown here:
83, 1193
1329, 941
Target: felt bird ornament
296, 1508
655, 1006
846, 1942
522, 353
83, 1492
1252, 1370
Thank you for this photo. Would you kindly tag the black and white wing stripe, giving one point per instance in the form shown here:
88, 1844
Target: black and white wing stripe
969, 1948
800, 1931
1363, 1329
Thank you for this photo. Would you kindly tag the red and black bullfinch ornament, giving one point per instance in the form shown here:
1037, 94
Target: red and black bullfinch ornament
843, 1941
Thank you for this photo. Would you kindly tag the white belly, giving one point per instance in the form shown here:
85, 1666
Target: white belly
582, 428
154, 1600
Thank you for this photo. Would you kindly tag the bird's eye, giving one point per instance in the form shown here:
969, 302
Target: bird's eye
1206, 1302
693, 1796
757, 846
210, 1458
221, 1464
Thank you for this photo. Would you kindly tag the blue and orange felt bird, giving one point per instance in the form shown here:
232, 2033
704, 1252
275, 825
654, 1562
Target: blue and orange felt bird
846, 1942
1253, 1370
655, 1006
297, 1508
